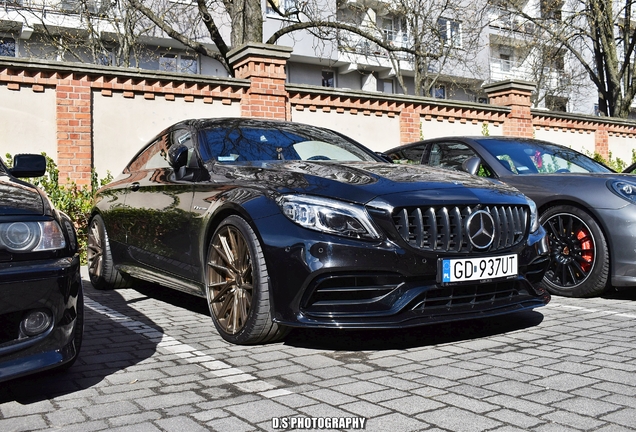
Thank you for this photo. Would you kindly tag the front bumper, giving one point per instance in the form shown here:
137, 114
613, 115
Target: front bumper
333, 282
51, 286
620, 227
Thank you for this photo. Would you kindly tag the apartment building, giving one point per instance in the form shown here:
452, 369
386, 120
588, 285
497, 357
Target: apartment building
471, 44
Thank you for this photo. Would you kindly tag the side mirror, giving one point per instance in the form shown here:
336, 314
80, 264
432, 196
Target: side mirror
178, 156
471, 165
28, 165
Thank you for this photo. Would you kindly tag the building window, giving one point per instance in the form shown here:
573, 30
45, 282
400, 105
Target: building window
450, 32
439, 92
387, 86
328, 79
178, 63
281, 5
551, 9
506, 64
7, 47
556, 103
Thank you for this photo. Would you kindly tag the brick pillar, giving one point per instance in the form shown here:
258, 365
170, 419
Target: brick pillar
74, 123
516, 95
601, 140
264, 66
410, 124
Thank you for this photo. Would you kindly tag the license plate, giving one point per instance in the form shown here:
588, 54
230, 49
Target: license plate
479, 269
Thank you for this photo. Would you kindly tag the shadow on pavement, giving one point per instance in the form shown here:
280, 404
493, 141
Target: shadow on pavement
378, 340
107, 347
622, 293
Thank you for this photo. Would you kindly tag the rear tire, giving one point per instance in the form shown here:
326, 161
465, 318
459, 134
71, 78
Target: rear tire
237, 285
101, 269
579, 252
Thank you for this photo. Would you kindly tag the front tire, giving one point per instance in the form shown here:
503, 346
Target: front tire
78, 331
237, 285
101, 269
579, 252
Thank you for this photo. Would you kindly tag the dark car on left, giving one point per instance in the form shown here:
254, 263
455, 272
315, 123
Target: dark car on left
41, 300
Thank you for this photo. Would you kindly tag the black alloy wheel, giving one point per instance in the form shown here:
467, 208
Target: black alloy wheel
237, 287
579, 264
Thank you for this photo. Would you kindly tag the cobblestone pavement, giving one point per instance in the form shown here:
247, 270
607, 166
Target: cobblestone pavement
151, 361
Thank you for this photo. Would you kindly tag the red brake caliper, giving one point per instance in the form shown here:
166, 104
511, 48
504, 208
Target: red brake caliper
587, 250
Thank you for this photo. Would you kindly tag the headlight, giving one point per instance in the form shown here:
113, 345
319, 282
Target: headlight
329, 216
534, 215
31, 236
624, 189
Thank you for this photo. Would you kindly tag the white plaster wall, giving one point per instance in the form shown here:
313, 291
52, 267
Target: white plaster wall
123, 125
434, 128
621, 148
377, 133
27, 122
582, 142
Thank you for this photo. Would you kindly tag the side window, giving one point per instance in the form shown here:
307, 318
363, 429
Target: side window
153, 157
159, 156
452, 155
411, 155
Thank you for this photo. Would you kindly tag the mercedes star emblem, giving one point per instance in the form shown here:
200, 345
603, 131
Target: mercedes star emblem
481, 229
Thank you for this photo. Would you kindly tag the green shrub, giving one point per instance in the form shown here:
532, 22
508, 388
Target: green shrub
74, 200
617, 164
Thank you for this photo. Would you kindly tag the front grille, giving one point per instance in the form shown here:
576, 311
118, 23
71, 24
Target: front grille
443, 228
455, 298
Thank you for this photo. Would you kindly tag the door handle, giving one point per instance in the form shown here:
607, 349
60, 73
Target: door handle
134, 187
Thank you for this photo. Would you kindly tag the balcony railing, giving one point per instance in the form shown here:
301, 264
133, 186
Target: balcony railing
501, 69
361, 46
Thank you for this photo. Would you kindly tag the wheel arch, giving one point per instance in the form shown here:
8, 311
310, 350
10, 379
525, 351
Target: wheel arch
233, 209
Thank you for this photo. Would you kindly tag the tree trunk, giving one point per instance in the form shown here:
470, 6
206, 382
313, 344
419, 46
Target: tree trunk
247, 22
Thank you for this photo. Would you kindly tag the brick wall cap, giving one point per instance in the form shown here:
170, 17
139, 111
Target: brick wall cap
393, 97
559, 115
510, 84
118, 72
259, 50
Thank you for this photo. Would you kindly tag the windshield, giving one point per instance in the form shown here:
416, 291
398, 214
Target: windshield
537, 157
235, 143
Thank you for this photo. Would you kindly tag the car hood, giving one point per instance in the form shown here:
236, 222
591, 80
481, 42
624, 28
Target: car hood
365, 181
19, 198
588, 189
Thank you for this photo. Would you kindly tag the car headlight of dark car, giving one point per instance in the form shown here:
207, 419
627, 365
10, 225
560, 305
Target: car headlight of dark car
31, 236
329, 216
534, 215
624, 189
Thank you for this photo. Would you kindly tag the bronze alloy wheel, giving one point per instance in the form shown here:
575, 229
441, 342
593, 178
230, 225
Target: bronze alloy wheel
237, 285
580, 260
101, 269
231, 279
94, 250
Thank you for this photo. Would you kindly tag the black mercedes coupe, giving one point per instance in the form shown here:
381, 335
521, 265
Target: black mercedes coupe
284, 225
41, 302
588, 211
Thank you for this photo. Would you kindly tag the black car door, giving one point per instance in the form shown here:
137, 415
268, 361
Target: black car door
159, 234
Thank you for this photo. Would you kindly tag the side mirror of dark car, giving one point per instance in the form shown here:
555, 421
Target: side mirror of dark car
178, 157
384, 156
471, 165
28, 165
